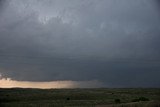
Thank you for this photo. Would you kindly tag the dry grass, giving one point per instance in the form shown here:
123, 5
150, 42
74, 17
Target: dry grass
78, 97
134, 104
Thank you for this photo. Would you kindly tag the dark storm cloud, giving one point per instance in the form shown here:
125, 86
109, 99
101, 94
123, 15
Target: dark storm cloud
2, 4
112, 41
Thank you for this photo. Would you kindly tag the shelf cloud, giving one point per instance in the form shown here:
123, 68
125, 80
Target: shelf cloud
115, 42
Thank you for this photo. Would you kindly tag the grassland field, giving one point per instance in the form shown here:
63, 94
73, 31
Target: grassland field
100, 97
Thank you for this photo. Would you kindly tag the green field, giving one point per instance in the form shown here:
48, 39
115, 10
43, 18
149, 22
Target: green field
139, 97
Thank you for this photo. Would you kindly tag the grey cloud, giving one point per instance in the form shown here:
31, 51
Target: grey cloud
116, 42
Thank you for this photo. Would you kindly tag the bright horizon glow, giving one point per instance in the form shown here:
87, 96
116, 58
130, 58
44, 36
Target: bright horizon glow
9, 83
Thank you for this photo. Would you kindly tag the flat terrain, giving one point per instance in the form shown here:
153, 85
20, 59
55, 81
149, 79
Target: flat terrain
139, 97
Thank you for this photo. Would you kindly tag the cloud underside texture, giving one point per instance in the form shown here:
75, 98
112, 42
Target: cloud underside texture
115, 42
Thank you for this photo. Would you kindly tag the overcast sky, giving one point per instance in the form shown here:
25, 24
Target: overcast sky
114, 42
